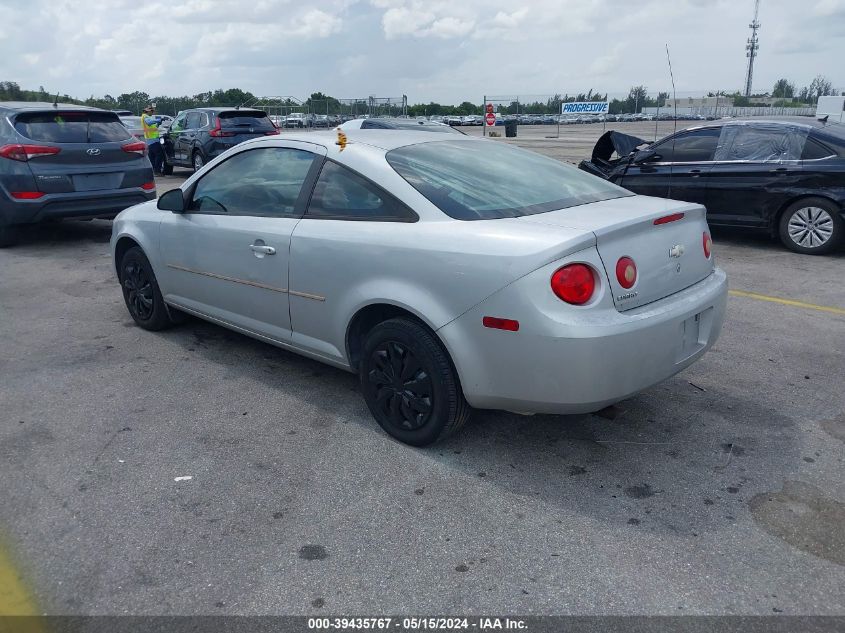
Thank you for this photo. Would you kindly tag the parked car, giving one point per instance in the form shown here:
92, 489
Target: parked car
446, 271
196, 136
133, 124
453, 120
62, 161
421, 125
787, 177
297, 120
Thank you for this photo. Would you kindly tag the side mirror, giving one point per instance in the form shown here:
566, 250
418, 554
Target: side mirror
173, 200
646, 156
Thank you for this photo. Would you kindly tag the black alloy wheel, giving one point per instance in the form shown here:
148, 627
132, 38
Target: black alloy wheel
409, 383
141, 292
402, 386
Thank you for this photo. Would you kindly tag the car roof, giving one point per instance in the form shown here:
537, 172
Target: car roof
22, 106
383, 139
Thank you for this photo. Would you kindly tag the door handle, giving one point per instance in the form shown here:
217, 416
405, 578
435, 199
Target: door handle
779, 171
695, 173
264, 250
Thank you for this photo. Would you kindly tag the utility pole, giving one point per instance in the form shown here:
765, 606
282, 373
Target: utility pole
752, 46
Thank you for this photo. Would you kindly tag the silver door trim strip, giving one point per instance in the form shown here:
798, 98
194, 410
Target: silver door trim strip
305, 295
225, 278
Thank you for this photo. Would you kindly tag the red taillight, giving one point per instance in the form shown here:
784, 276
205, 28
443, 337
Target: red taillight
218, 131
669, 218
626, 272
26, 195
501, 324
25, 152
149, 186
574, 283
707, 244
139, 148
273, 133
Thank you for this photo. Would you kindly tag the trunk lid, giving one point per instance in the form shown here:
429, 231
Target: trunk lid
669, 256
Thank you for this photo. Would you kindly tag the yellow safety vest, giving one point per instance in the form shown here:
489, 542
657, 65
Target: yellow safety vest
150, 131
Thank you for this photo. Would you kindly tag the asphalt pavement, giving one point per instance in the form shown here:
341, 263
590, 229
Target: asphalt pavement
197, 471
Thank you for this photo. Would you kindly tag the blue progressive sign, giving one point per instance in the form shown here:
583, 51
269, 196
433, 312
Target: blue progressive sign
584, 107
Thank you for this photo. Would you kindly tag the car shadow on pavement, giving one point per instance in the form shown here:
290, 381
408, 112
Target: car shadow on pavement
677, 459
39, 235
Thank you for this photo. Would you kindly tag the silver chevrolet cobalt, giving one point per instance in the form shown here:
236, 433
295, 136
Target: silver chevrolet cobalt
448, 273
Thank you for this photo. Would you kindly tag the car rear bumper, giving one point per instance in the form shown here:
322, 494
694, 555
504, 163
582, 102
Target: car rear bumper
80, 205
570, 360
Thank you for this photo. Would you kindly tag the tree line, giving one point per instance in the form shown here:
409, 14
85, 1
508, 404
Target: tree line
320, 103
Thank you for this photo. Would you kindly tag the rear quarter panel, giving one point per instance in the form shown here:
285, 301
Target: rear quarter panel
435, 270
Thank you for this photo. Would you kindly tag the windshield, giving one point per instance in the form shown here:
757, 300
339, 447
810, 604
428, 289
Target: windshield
485, 180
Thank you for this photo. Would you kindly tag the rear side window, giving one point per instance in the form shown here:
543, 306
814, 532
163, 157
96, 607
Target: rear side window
341, 194
813, 150
486, 180
695, 146
246, 119
193, 121
71, 127
761, 143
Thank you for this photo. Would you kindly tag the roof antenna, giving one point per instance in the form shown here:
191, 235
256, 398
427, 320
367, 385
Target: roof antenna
675, 130
824, 119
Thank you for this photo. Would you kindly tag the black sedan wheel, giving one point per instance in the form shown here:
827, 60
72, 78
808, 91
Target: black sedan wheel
409, 383
140, 291
812, 226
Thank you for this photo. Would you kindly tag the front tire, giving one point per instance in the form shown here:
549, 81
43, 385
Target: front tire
812, 226
409, 383
141, 293
166, 165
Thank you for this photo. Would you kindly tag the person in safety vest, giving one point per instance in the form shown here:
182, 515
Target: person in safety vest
150, 123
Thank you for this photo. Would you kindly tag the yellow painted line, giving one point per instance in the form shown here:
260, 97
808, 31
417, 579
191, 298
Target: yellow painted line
787, 302
15, 599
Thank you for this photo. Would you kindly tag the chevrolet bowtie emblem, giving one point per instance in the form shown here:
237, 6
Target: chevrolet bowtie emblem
676, 251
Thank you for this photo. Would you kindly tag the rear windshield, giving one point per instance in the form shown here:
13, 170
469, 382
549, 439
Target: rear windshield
485, 180
257, 120
71, 127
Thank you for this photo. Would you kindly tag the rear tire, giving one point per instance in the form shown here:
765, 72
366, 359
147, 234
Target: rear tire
812, 226
410, 384
141, 293
197, 161
9, 236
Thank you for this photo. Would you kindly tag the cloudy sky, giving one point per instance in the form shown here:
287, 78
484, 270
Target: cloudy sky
431, 50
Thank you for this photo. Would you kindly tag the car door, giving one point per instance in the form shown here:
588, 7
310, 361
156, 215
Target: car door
188, 137
757, 167
679, 168
332, 250
227, 255
172, 145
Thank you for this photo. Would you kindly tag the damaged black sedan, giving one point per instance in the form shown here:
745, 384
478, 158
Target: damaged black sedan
787, 177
